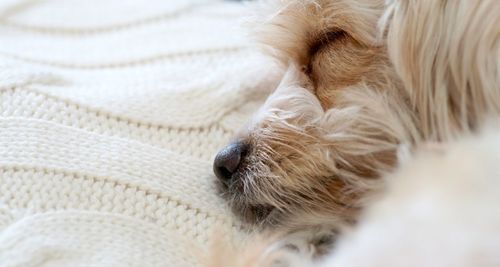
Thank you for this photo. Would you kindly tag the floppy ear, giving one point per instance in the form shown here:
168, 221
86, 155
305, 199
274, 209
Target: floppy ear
447, 54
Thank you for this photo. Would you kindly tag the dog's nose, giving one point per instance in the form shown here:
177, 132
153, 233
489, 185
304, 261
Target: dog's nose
228, 159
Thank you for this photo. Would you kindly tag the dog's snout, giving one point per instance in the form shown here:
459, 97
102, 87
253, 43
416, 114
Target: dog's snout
228, 160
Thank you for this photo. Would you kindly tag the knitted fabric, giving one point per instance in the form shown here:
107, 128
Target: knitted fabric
111, 112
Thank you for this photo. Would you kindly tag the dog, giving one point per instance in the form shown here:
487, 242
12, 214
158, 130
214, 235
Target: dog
318, 144
369, 84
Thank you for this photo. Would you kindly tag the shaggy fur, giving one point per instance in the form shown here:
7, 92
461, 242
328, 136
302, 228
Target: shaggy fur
440, 208
332, 126
369, 79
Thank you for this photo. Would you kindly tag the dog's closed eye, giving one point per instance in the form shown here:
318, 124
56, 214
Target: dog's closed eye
324, 39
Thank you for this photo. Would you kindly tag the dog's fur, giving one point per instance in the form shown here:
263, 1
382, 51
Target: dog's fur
334, 124
440, 208
369, 79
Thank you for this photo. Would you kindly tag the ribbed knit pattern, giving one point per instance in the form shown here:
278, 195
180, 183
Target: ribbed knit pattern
111, 112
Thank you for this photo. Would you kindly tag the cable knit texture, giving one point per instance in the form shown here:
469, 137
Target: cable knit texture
110, 114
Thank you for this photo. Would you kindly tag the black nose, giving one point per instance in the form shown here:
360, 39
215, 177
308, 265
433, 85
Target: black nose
228, 159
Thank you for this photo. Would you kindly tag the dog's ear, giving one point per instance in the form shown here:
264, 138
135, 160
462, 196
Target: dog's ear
447, 54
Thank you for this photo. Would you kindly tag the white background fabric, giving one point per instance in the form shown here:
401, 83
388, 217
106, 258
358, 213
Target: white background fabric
111, 112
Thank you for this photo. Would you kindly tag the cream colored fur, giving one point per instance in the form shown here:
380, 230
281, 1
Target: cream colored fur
356, 92
332, 126
439, 209
426, 74
447, 54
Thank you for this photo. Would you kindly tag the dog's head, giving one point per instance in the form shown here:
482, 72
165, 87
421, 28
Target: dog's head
350, 99
332, 124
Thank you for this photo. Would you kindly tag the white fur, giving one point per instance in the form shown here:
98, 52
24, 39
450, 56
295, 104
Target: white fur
438, 86
440, 209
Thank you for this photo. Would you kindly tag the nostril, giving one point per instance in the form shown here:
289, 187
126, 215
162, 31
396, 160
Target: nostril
228, 160
223, 173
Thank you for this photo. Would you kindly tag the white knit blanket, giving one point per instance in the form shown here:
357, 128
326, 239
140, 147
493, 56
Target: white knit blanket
110, 114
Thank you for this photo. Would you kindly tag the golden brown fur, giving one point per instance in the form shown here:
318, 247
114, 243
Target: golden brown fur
319, 143
366, 78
